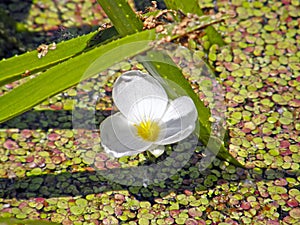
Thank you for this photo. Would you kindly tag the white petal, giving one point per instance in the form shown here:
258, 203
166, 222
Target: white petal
119, 138
149, 108
179, 121
139, 96
157, 151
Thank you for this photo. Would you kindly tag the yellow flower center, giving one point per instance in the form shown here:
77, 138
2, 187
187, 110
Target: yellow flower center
148, 130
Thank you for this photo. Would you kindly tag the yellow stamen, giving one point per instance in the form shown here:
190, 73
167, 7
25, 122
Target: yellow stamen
148, 130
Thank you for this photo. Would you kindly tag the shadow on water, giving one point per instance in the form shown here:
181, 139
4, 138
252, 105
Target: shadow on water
90, 182
54, 119
142, 5
15, 38
173, 172
184, 161
95, 182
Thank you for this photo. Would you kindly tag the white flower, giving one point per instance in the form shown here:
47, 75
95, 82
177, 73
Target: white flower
147, 119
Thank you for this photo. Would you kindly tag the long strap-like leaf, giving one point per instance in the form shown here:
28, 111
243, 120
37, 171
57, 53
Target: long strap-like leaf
70, 72
122, 16
17, 67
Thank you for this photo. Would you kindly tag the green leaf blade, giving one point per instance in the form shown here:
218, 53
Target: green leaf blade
122, 16
12, 69
70, 72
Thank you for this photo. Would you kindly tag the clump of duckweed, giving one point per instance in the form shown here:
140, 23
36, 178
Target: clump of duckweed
46, 175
